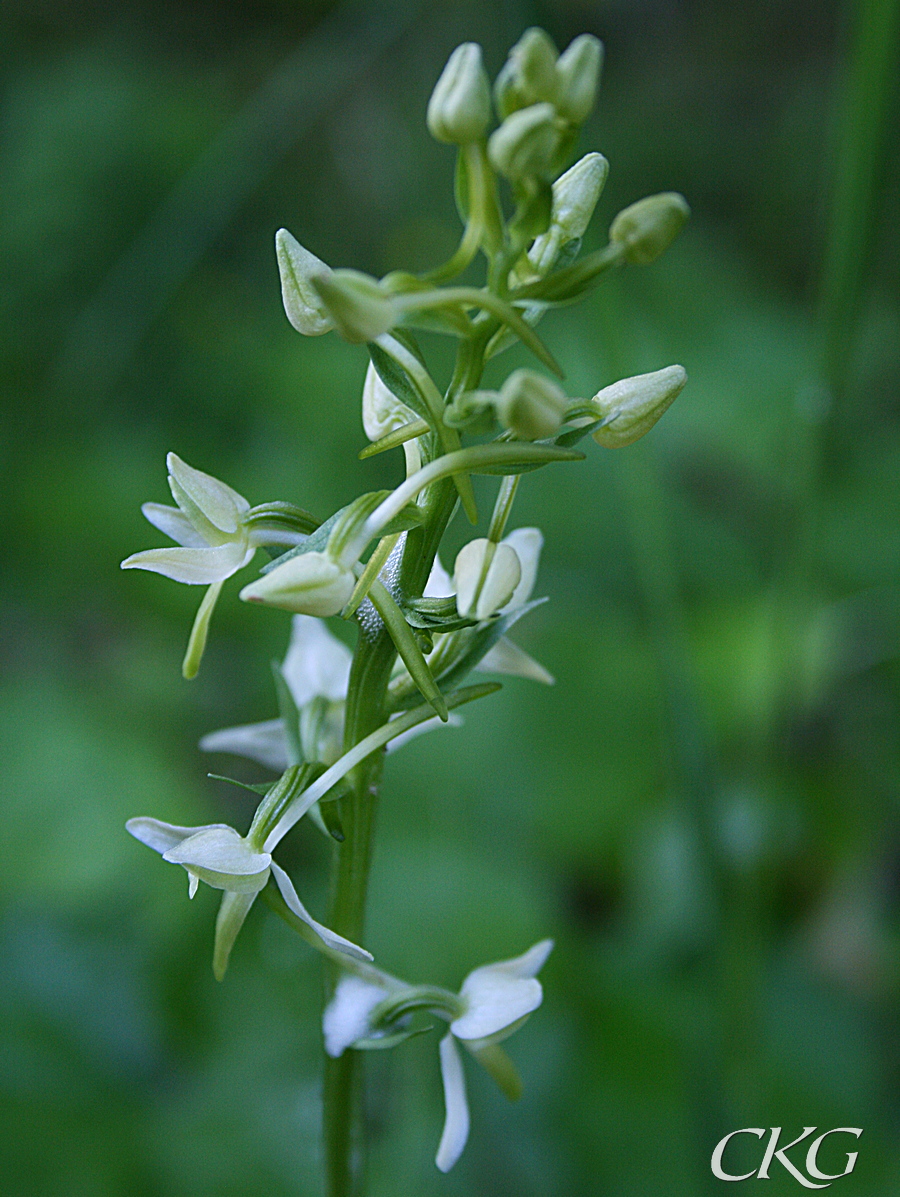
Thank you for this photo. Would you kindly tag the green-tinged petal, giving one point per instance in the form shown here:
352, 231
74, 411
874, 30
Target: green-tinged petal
346, 1016
223, 859
494, 1060
175, 524
485, 576
507, 658
262, 742
330, 938
232, 912
456, 1122
497, 995
162, 836
220, 504
196, 567
197, 639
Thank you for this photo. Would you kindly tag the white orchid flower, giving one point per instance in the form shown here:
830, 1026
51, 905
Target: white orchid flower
214, 542
226, 860
317, 672
505, 656
493, 1002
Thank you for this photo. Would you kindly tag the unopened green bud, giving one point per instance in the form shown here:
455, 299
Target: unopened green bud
485, 577
528, 75
302, 302
646, 229
577, 78
531, 406
632, 406
459, 110
526, 143
309, 584
575, 196
359, 308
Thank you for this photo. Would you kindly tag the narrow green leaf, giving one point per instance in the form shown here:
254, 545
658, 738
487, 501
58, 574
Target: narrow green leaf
405, 643
393, 440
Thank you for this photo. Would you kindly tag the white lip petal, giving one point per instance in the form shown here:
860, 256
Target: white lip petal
456, 1122
220, 504
233, 909
221, 851
497, 995
527, 543
330, 938
346, 1016
454, 720
175, 524
162, 836
317, 663
263, 742
196, 567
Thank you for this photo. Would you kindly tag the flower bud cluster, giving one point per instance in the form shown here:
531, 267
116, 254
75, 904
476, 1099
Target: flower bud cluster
542, 97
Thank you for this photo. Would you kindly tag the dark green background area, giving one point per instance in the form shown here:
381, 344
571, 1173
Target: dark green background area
703, 812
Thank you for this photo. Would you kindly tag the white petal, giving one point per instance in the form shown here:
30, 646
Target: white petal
223, 859
302, 304
506, 657
197, 567
317, 663
162, 836
220, 504
262, 742
382, 411
453, 720
439, 584
527, 543
479, 591
175, 524
497, 995
346, 1016
456, 1122
329, 938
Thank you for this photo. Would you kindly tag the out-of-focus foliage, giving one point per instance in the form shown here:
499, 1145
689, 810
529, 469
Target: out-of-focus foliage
705, 809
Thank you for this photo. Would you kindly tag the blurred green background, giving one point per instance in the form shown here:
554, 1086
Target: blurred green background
703, 812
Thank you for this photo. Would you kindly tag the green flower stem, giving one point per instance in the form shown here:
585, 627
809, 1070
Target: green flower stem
503, 507
434, 401
474, 233
475, 457
572, 281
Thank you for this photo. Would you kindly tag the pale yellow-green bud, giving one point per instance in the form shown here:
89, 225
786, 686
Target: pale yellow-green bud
485, 577
531, 406
359, 308
528, 75
578, 77
575, 196
646, 229
310, 584
632, 406
459, 110
302, 302
526, 143
382, 411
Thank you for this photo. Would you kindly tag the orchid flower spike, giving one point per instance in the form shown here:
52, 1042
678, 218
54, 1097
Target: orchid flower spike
226, 860
209, 526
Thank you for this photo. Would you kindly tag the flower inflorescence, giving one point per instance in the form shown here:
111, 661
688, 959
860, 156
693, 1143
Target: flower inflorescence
375, 561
